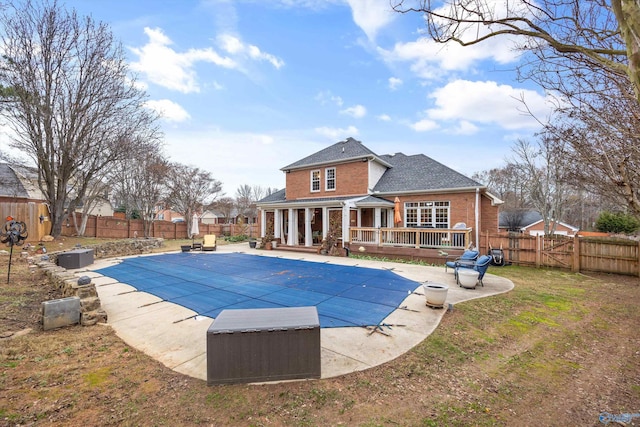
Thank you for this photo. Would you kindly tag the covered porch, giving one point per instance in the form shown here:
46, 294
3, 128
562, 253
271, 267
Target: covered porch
361, 221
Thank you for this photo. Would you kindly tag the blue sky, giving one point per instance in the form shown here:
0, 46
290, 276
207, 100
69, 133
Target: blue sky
248, 86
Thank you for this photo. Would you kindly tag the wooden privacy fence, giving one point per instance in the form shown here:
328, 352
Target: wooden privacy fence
34, 215
597, 254
109, 227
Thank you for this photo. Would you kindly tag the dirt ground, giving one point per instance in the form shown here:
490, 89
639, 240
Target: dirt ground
560, 349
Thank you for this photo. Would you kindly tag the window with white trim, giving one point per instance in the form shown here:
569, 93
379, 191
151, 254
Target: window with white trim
427, 214
315, 181
330, 179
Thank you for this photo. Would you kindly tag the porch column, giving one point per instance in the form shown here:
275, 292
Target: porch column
359, 218
346, 223
308, 238
277, 223
377, 222
263, 222
477, 230
377, 218
292, 229
325, 222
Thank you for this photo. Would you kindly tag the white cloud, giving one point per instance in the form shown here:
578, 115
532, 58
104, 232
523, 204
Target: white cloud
431, 60
165, 67
384, 118
169, 110
464, 128
357, 111
326, 97
371, 15
487, 103
337, 133
394, 83
236, 47
424, 125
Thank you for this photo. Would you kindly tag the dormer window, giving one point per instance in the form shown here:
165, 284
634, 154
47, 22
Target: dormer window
315, 181
330, 179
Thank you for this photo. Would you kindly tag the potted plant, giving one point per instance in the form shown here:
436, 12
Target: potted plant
268, 238
252, 240
435, 294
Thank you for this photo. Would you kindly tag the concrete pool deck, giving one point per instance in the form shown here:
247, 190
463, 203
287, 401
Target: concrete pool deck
176, 337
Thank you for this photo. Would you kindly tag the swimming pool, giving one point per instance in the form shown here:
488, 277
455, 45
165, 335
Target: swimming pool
209, 283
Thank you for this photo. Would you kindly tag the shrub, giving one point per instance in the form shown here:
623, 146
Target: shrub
617, 222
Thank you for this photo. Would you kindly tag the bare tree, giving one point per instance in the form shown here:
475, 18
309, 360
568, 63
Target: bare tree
601, 131
97, 192
585, 51
244, 200
585, 32
140, 185
190, 189
508, 183
225, 206
543, 166
512, 218
72, 103
260, 193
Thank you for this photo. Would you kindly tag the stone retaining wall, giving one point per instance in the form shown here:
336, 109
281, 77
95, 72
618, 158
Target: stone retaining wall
71, 285
115, 248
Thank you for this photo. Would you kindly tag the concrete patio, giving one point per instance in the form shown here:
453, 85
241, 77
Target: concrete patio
176, 336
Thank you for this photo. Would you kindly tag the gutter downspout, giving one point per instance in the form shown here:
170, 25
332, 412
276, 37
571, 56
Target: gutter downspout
477, 227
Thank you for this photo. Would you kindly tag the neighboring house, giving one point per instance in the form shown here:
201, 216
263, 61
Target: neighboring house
531, 222
169, 215
213, 216
101, 207
391, 200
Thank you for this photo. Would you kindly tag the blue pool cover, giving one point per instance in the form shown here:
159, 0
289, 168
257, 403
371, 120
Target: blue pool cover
210, 283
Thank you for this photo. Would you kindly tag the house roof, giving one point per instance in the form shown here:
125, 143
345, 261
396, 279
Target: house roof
18, 182
527, 218
10, 185
404, 174
420, 173
278, 196
374, 201
342, 151
364, 201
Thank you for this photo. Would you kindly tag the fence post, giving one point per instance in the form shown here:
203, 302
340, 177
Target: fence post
638, 263
539, 242
575, 267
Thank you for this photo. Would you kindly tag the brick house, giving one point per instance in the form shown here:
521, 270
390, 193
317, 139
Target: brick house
532, 223
350, 187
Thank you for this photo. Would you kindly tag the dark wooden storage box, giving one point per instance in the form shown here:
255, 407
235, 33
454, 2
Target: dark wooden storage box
265, 344
76, 258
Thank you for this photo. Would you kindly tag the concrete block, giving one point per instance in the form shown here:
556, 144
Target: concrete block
60, 312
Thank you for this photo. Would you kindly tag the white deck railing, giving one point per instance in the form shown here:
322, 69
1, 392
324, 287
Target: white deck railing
412, 237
